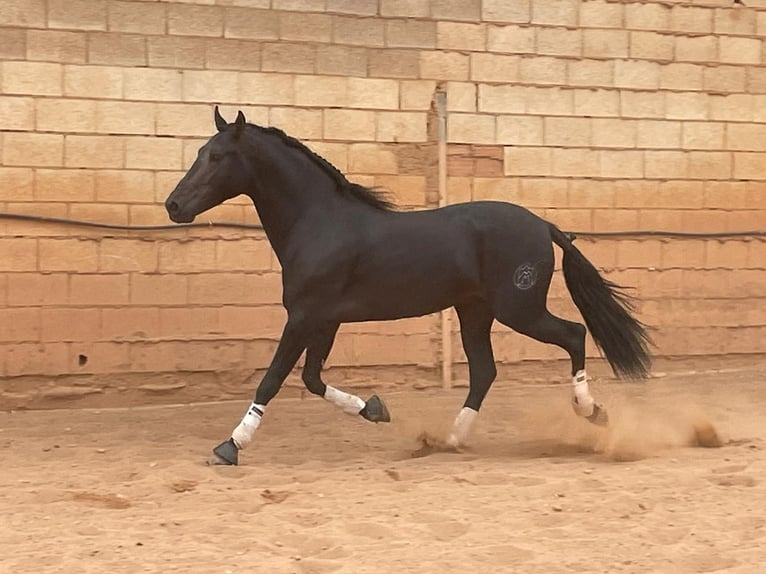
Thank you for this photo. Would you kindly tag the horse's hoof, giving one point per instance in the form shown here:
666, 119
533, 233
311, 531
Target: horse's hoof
225, 453
599, 416
375, 410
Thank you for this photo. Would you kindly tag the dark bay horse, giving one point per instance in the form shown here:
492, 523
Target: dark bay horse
347, 256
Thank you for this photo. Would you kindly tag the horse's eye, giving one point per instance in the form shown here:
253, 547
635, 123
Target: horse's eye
215, 156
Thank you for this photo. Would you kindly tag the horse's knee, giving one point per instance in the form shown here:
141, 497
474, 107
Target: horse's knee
314, 384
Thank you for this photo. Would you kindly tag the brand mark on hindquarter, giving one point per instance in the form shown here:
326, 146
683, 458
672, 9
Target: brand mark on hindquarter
525, 276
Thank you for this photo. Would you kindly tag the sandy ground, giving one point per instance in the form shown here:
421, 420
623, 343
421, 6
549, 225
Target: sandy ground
538, 491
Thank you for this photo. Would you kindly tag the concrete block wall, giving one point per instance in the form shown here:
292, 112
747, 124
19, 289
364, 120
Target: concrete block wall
599, 115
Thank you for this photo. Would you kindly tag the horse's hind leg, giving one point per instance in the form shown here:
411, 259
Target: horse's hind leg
541, 325
317, 352
475, 324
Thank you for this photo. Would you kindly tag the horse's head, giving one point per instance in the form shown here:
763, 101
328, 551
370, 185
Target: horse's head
220, 172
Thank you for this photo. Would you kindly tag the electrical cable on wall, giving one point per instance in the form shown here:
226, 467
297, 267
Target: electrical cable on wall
256, 226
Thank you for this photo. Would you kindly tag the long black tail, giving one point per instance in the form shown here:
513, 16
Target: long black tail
607, 311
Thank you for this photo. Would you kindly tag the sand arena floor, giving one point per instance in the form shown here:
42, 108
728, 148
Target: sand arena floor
538, 491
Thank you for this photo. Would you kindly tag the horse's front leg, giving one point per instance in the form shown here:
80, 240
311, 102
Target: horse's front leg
291, 345
373, 409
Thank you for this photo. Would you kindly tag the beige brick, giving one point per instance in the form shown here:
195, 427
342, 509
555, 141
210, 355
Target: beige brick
733, 107
373, 93
527, 161
303, 124
136, 17
117, 49
390, 63
621, 164
23, 13
65, 115
401, 127
158, 289
66, 185
648, 16
84, 81
681, 77
735, 21
502, 11
559, 42
519, 130
666, 164
703, 135
190, 20
461, 36
187, 256
608, 132
287, 57
13, 46
130, 323
407, 190
444, 65
249, 24
605, 43
596, 103
275, 89
725, 79
305, 27
297, 5
642, 104
651, 46
416, 94
710, 165
371, 158
93, 151
358, 31
16, 184
568, 132
450, 10
543, 70
734, 50
746, 137
471, 128
320, 91
125, 118
601, 14
591, 73
31, 78
504, 188
461, 97
100, 212
18, 254
124, 186
182, 52
75, 255
77, 14
17, 325
636, 74
686, 106
40, 150
222, 54
18, 113
407, 8
696, 48
691, 19
97, 290
511, 39
502, 98
348, 61
351, 125
207, 85
153, 153
487, 67
27, 289
54, 46
555, 12
549, 101
335, 153
573, 162
658, 134
410, 34
152, 84
755, 80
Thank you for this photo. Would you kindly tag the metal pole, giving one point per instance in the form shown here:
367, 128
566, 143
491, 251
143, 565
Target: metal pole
446, 316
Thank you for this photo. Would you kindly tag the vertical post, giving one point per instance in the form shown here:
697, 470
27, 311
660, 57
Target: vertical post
446, 322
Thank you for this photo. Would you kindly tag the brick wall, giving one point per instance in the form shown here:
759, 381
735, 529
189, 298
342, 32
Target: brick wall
599, 115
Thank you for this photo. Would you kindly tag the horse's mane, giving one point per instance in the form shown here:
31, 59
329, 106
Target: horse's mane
372, 197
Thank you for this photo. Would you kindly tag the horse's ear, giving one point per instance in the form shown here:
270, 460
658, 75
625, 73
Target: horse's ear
239, 123
220, 123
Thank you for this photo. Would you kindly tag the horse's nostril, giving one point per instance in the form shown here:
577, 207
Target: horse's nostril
172, 206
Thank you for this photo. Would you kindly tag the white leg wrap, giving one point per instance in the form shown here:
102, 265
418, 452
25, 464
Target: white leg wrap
461, 427
582, 401
350, 404
245, 431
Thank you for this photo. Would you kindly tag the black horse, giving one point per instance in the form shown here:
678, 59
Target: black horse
347, 256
